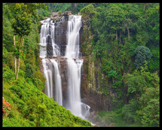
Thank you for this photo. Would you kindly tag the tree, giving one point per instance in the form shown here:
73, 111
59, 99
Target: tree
137, 82
149, 107
22, 27
88, 10
114, 18
142, 53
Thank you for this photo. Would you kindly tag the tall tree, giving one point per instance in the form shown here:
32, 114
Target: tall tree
22, 27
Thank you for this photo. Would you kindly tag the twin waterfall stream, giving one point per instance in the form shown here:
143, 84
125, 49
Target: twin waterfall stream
51, 66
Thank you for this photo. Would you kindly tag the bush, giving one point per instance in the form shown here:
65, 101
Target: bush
8, 75
127, 113
21, 73
29, 71
22, 65
39, 75
10, 61
38, 83
142, 53
5, 54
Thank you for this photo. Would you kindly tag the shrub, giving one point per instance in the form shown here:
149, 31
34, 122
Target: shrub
29, 71
38, 83
39, 75
127, 113
22, 65
21, 73
5, 54
10, 60
142, 53
8, 75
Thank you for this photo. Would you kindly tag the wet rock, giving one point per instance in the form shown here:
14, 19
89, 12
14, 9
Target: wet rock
45, 18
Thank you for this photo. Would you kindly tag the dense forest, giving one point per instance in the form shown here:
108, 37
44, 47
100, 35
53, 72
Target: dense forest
124, 39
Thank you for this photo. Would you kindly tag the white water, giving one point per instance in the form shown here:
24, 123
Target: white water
58, 86
56, 49
48, 28
74, 65
48, 76
48, 25
74, 68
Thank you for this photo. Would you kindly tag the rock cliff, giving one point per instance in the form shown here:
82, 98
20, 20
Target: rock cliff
93, 80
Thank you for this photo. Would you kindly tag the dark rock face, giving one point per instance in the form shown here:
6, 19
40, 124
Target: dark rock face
49, 47
64, 77
92, 88
60, 36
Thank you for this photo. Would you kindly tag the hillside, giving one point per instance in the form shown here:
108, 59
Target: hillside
29, 107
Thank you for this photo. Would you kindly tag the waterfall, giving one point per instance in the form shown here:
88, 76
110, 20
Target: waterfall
48, 76
56, 49
58, 87
74, 65
48, 28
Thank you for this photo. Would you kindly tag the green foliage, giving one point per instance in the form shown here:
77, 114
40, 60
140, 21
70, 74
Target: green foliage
16, 52
10, 60
40, 76
112, 73
154, 62
38, 83
7, 34
30, 107
149, 107
105, 91
8, 74
88, 10
21, 22
127, 113
142, 53
60, 12
29, 71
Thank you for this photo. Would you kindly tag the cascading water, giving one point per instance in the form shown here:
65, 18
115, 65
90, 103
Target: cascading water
58, 88
48, 76
48, 28
74, 65
56, 49
74, 68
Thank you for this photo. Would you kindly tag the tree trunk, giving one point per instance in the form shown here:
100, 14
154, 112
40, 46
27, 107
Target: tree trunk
14, 47
18, 59
128, 33
17, 69
18, 65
